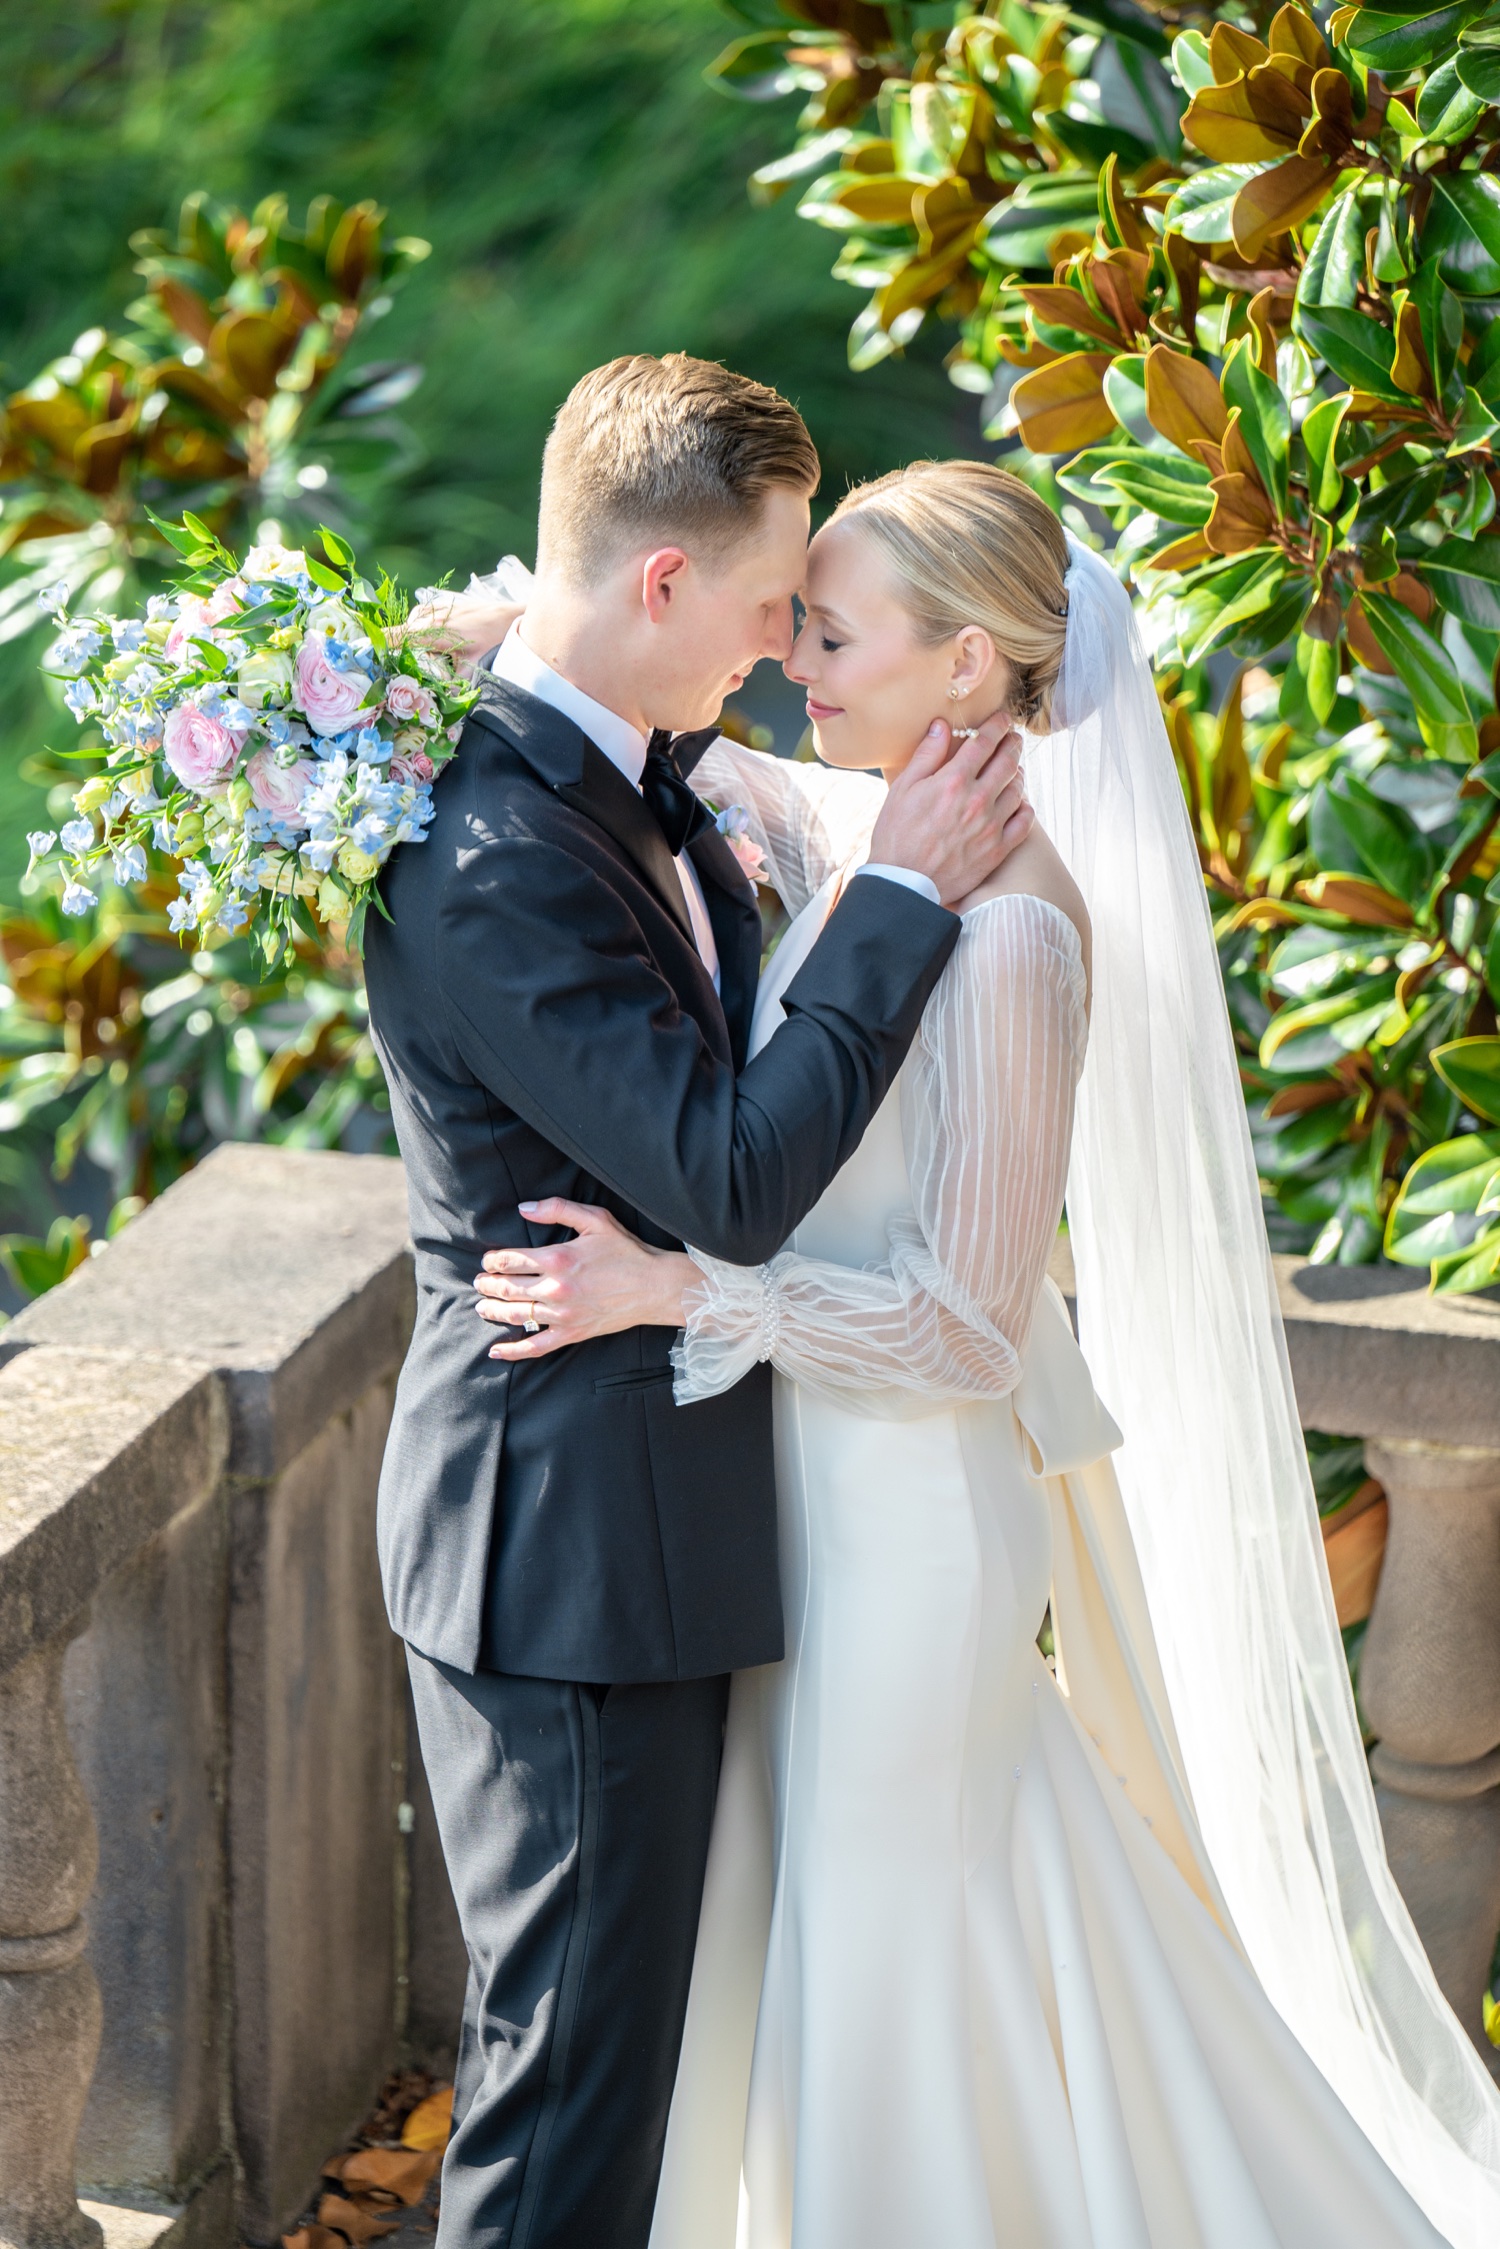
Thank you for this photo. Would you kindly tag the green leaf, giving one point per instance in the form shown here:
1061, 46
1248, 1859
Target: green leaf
1390, 845
1166, 485
1018, 232
1200, 209
1469, 1271
1477, 424
1465, 576
1091, 141
1421, 662
1479, 70
1318, 662
1462, 231
1433, 1214
1320, 1033
1447, 109
1265, 418
1442, 322
1209, 614
1357, 348
336, 549
322, 576
1405, 44
1320, 434
1336, 262
1472, 1068
1125, 394
1191, 66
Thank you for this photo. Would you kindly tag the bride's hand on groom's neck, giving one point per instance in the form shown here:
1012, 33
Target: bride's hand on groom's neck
465, 626
958, 810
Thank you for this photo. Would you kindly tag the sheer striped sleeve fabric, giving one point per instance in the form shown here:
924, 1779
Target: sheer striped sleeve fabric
987, 1114
807, 819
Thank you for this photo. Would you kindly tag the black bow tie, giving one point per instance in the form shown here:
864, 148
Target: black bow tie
680, 813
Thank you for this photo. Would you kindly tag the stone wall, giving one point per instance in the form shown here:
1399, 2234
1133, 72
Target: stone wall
234, 1697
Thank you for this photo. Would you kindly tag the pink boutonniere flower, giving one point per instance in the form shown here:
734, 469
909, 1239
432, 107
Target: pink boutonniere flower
733, 824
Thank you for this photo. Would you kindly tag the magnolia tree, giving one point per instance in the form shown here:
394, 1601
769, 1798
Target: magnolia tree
1230, 286
227, 393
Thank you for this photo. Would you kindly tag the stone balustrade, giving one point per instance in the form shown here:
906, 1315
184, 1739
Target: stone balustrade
199, 1693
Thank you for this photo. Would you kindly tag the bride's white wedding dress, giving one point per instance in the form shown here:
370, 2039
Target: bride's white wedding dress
963, 1976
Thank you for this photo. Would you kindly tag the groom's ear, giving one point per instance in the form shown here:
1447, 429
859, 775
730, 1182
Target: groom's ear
661, 581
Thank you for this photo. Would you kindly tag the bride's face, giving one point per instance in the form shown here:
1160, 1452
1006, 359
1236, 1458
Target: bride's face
874, 688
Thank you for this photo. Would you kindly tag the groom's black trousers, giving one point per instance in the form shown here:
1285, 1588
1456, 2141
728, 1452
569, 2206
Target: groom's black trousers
575, 1823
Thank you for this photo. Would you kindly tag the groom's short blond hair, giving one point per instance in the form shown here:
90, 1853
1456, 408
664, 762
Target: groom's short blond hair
655, 452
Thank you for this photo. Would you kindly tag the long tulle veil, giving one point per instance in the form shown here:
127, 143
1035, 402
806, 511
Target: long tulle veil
1180, 1324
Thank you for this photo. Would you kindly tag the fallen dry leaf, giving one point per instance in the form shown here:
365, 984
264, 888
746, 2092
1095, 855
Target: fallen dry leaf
430, 2121
401, 2171
349, 2219
313, 2237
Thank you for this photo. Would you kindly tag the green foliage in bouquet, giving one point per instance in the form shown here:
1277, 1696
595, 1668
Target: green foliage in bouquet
227, 393
1230, 286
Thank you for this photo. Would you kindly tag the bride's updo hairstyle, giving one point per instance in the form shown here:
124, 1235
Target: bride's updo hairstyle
970, 544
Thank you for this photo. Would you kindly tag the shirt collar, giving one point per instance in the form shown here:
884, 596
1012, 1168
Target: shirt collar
623, 744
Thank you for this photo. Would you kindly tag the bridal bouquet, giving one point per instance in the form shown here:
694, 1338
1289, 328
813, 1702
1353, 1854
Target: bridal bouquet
271, 726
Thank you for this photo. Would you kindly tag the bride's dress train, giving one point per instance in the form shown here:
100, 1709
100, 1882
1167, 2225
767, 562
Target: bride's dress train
963, 1977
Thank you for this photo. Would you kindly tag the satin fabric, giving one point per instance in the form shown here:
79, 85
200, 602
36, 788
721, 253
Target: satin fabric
963, 1976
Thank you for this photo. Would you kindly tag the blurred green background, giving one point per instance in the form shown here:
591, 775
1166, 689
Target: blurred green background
582, 188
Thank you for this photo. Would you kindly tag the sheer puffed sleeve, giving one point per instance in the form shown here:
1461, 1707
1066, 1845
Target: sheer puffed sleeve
987, 1112
807, 819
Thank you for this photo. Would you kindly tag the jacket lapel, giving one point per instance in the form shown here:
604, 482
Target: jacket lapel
562, 754
735, 918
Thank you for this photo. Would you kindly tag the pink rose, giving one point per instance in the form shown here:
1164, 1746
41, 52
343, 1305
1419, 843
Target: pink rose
192, 622
750, 856
199, 747
330, 699
409, 702
412, 765
278, 788
225, 600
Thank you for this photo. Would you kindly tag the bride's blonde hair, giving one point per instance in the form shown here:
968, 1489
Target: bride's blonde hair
969, 544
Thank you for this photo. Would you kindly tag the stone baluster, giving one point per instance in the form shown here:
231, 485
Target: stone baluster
1430, 1685
49, 2001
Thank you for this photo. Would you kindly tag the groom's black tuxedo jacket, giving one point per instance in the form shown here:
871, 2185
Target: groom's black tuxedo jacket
548, 1028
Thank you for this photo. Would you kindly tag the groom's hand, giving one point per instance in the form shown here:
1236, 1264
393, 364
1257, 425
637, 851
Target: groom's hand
959, 809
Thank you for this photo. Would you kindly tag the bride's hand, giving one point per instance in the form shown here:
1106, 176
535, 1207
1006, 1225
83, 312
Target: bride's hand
464, 626
601, 1281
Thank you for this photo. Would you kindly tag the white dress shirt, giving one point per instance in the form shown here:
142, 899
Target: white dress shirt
625, 746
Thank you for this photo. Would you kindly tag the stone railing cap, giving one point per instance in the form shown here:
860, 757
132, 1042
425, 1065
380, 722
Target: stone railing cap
286, 1269
97, 1452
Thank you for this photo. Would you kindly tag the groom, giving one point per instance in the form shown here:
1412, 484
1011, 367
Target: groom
562, 1002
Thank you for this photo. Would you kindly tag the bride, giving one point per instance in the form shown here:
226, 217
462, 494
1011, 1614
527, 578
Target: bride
1105, 1956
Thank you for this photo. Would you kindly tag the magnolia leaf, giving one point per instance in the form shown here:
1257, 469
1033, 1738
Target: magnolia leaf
1320, 432
1433, 1213
1336, 262
404, 2172
347, 2218
1175, 489
1201, 207
1232, 603
1183, 401
1471, 1067
1447, 108
1385, 838
1357, 900
1265, 421
431, 2121
1462, 231
1357, 348
1277, 200
1242, 516
1020, 232
1420, 661
1475, 1269
1062, 406
1388, 45
1479, 70
1465, 576
1180, 554
1191, 65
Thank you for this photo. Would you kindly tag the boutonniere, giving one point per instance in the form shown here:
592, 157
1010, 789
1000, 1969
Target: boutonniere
733, 824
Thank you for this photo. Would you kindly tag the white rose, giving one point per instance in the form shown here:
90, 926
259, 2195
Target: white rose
265, 677
339, 622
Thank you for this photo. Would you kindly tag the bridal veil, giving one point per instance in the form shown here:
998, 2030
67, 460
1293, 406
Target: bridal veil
1179, 1321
